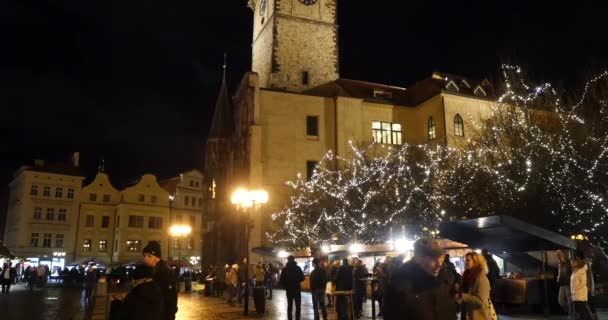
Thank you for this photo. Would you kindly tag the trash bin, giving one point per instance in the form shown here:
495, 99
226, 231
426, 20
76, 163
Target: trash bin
188, 284
259, 299
209, 290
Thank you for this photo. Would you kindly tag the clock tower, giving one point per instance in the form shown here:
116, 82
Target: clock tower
295, 43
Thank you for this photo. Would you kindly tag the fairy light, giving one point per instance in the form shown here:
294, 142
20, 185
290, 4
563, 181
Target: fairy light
505, 158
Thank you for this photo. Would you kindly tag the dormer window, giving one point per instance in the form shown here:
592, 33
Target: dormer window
452, 86
465, 84
486, 82
480, 92
381, 94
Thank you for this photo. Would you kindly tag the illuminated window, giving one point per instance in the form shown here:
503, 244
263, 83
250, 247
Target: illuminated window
46, 191
134, 246
86, 245
387, 132
34, 190
431, 128
458, 126
70, 193
103, 245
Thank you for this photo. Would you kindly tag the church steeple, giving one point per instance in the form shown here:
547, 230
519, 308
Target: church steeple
222, 125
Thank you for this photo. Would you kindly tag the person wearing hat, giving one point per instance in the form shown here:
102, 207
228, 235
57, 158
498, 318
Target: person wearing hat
144, 301
417, 288
163, 278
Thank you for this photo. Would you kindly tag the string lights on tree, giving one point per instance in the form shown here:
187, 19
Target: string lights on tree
537, 155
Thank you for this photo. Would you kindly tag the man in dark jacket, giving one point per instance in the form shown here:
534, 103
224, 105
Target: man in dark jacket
144, 301
344, 282
360, 273
291, 277
163, 277
417, 289
318, 285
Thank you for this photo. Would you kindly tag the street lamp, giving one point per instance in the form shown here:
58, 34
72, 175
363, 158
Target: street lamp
180, 231
245, 199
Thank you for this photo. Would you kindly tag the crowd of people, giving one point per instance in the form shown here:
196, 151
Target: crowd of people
576, 286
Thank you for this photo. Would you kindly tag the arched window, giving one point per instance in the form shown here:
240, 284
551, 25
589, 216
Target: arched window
458, 126
431, 128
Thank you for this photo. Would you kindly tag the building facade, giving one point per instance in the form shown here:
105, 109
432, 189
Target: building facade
281, 121
42, 214
97, 220
141, 216
186, 208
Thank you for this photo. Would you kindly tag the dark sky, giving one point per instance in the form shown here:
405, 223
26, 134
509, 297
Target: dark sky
135, 81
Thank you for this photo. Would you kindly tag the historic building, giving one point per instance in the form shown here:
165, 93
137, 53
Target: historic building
42, 214
294, 107
186, 208
97, 220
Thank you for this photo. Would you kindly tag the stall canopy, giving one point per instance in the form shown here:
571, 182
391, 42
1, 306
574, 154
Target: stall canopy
504, 234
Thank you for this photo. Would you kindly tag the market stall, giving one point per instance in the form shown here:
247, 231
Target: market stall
522, 245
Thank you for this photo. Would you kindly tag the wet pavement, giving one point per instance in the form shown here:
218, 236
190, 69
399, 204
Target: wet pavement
55, 303
195, 306
51, 303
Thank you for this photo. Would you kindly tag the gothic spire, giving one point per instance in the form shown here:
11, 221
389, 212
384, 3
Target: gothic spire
223, 117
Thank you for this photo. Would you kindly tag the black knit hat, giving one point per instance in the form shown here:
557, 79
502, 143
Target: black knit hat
152, 248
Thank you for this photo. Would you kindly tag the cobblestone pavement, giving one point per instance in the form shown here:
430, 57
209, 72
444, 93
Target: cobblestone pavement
195, 306
51, 303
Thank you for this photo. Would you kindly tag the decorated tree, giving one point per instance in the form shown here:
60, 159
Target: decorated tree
364, 195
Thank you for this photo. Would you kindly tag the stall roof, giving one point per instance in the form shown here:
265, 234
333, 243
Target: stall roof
504, 234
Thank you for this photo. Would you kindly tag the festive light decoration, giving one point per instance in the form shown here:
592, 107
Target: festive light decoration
535, 156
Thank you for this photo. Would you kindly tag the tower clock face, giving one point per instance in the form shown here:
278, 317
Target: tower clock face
263, 5
308, 2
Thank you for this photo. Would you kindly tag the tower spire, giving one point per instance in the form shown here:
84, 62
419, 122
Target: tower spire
222, 125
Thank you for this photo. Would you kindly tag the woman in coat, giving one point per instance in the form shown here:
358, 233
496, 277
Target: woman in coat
578, 287
476, 289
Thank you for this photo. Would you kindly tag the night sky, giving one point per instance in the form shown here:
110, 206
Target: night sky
134, 82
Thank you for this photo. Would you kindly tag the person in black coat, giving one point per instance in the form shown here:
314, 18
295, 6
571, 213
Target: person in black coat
493, 269
344, 282
318, 285
291, 277
144, 301
360, 273
418, 289
163, 277
9, 275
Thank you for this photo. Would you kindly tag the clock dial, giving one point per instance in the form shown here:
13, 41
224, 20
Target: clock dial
263, 5
308, 2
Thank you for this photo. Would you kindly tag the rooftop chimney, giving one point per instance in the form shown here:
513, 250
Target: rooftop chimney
76, 159
38, 163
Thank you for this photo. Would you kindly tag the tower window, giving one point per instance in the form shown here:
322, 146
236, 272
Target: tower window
312, 126
310, 169
305, 78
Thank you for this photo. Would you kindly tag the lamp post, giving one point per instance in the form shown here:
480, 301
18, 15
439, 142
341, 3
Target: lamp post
245, 199
180, 231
